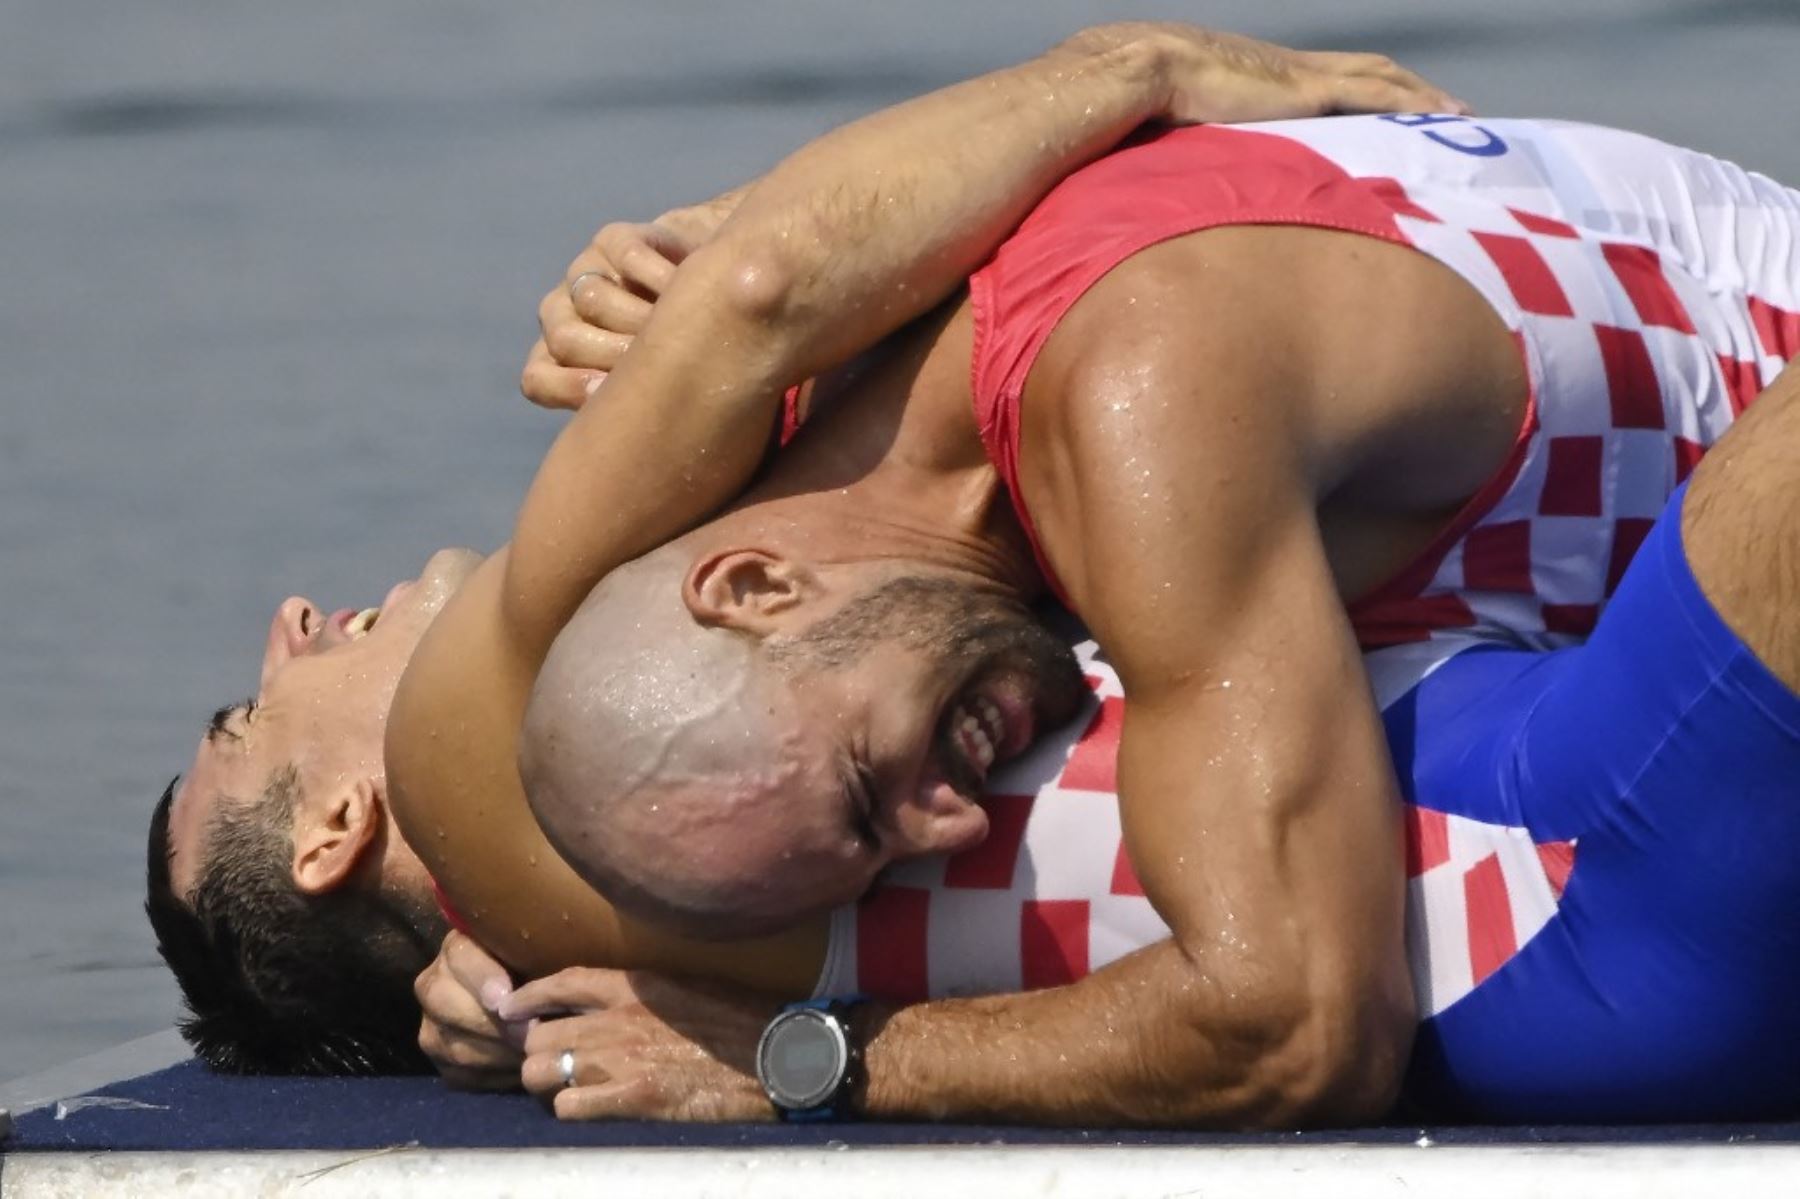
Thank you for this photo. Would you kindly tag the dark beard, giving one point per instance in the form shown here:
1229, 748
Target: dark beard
971, 635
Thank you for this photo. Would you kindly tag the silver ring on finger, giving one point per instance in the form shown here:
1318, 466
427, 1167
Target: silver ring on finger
575, 283
565, 1063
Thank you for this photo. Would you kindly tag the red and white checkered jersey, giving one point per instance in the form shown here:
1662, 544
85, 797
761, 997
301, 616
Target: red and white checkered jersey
1653, 291
1050, 894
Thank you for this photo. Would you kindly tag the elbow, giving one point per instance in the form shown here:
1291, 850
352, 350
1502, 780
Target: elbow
1305, 1058
753, 277
1343, 1057
1342, 1068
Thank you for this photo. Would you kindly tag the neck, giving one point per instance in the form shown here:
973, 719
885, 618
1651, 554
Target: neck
890, 465
395, 872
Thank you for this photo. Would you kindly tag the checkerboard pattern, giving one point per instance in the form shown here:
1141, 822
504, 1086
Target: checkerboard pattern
1048, 897
1654, 293
1051, 894
1637, 366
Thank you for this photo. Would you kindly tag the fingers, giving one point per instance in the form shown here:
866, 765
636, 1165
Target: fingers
607, 305
577, 989
572, 340
1376, 83
577, 345
549, 384
1379, 94
624, 1099
471, 1064
479, 972
591, 319
542, 1072
641, 257
460, 1032
455, 1001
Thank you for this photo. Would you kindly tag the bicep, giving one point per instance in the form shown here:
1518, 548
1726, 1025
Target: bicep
1256, 792
1254, 776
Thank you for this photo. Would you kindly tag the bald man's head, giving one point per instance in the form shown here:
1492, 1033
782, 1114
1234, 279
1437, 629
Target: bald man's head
722, 745
649, 754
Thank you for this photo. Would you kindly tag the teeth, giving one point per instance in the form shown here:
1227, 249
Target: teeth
362, 622
990, 712
977, 742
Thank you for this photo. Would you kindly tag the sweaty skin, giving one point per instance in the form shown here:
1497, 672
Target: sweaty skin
749, 314
1251, 878
1371, 525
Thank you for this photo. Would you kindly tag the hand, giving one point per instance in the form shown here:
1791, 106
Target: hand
462, 1033
646, 1046
1222, 77
589, 320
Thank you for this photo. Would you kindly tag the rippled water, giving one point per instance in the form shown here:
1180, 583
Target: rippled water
267, 272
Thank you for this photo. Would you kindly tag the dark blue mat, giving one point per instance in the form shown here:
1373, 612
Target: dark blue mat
187, 1107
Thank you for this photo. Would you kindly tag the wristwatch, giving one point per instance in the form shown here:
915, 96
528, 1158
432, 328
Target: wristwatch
809, 1060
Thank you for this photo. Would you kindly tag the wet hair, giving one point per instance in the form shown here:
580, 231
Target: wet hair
276, 981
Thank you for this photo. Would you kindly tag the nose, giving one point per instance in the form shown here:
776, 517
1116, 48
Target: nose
295, 629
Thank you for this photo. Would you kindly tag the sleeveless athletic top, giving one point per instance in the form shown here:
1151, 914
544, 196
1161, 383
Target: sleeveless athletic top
1653, 292
1649, 299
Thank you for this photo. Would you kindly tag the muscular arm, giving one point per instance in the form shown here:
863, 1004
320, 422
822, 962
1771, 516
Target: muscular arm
685, 423
918, 196
919, 192
1177, 485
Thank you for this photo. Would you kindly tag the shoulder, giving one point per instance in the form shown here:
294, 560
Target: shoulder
1182, 361
1260, 353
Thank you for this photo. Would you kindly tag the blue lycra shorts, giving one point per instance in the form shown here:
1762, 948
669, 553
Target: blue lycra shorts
1667, 987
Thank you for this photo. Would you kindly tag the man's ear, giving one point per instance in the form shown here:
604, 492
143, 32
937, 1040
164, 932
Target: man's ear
752, 590
332, 835
943, 824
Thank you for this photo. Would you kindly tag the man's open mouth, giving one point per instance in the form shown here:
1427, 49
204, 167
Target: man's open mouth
357, 625
990, 722
977, 729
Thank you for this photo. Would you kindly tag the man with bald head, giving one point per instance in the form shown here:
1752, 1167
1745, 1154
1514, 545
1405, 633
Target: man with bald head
660, 757
1252, 402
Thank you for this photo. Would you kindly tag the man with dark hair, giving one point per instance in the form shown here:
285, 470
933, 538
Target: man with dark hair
278, 981
291, 910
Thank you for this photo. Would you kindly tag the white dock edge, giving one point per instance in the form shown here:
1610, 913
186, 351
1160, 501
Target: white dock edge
1743, 1171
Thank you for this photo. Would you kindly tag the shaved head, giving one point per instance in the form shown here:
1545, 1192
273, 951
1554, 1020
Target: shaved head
728, 775
652, 754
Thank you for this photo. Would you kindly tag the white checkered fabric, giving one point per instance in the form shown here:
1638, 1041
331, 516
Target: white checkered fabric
1654, 291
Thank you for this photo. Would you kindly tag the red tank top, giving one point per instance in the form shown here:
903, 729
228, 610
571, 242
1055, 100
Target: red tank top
1157, 188
1650, 289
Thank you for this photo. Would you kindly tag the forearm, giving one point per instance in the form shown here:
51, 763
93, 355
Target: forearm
921, 192
1157, 1038
873, 224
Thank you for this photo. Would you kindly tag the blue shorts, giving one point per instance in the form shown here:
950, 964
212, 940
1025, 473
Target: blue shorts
1667, 986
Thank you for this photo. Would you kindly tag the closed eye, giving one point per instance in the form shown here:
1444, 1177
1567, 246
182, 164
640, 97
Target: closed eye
220, 724
860, 792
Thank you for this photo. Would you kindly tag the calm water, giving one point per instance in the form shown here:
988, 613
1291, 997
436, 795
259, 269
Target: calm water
267, 272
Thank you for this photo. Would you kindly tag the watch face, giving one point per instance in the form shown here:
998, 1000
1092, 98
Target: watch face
803, 1057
